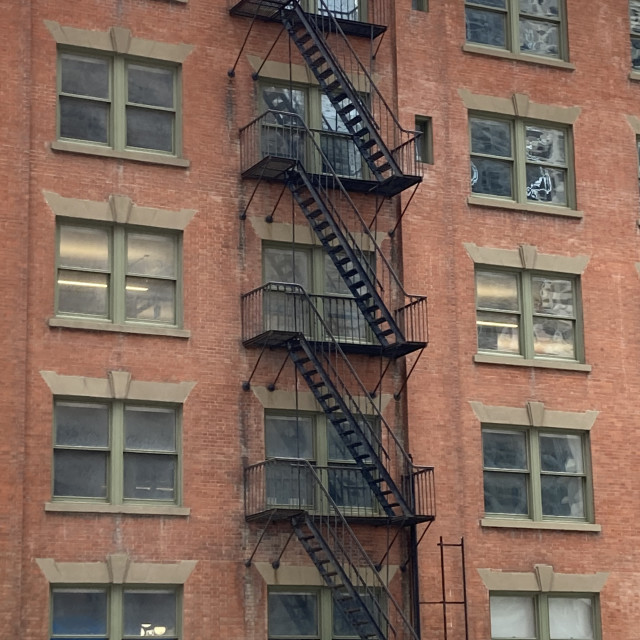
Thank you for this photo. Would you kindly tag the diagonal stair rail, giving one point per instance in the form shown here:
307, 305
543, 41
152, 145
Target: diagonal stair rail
337, 222
398, 485
388, 148
357, 587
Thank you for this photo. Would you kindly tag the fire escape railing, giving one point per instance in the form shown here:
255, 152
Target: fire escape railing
285, 137
357, 587
380, 455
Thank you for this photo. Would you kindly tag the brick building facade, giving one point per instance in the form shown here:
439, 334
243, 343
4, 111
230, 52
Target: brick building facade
220, 415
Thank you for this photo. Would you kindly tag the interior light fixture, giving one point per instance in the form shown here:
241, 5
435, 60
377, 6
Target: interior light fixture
487, 323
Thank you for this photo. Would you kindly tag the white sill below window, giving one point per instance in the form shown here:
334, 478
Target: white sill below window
104, 325
552, 525
133, 509
518, 361
525, 207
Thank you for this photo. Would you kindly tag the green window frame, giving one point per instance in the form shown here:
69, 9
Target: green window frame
537, 474
116, 452
118, 273
529, 314
119, 102
545, 616
521, 160
634, 27
311, 436
424, 146
115, 612
296, 612
522, 27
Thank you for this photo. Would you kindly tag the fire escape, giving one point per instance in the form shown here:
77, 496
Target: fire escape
317, 332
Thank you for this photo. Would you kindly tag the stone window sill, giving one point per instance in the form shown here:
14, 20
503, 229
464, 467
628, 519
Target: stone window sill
634, 75
520, 57
133, 509
125, 154
96, 325
565, 365
552, 525
525, 207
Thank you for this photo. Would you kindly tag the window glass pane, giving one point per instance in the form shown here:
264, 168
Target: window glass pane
333, 282
505, 493
348, 488
344, 157
151, 255
84, 119
331, 121
341, 625
512, 617
146, 611
146, 428
148, 129
486, 27
571, 618
150, 300
79, 611
553, 296
634, 15
83, 293
546, 146
288, 437
287, 100
293, 614
544, 8
499, 4
343, 9
84, 248
80, 474
492, 177
149, 477
635, 53
289, 482
504, 449
498, 332
85, 76
147, 85
562, 496
491, 137
539, 38
546, 184
554, 337
286, 265
336, 448
561, 453
497, 290
82, 425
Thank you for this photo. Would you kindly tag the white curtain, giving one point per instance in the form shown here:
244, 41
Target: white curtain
570, 618
512, 617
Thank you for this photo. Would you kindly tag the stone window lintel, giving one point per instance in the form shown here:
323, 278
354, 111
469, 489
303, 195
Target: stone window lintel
543, 579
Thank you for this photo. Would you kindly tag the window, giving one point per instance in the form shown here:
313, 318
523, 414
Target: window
283, 136
530, 314
536, 473
114, 612
313, 269
424, 146
544, 616
634, 18
312, 437
115, 452
118, 102
521, 161
118, 273
297, 612
535, 27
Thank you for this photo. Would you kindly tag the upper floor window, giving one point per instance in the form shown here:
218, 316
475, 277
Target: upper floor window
634, 19
118, 102
544, 616
535, 27
521, 161
530, 314
118, 273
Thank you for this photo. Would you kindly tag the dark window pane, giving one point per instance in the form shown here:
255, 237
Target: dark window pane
293, 614
491, 137
486, 27
287, 265
505, 493
634, 15
344, 9
561, 453
81, 474
85, 76
349, 489
84, 248
83, 293
635, 53
149, 613
150, 300
343, 627
82, 425
562, 496
539, 38
84, 120
147, 129
542, 8
288, 437
491, 177
146, 428
79, 611
149, 477
147, 85
546, 184
287, 100
151, 255
545, 145
498, 332
289, 483
504, 450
